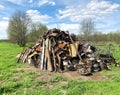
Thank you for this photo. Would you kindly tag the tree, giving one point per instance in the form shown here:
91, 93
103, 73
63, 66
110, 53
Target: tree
17, 29
87, 27
36, 29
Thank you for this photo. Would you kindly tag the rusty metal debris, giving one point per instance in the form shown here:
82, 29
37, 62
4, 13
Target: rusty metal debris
59, 51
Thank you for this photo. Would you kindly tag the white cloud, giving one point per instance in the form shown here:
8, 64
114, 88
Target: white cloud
43, 2
72, 28
72, 2
6, 18
19, 2
94, 9
3, 29
2, 7
33, 2
30, 1
37, 16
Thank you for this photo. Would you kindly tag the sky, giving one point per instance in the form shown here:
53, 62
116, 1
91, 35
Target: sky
63, 14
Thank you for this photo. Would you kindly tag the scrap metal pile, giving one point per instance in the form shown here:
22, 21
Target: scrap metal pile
59, 51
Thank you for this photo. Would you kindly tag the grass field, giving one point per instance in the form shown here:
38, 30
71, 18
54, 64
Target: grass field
23, 79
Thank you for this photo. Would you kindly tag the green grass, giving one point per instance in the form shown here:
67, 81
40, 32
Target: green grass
16, 80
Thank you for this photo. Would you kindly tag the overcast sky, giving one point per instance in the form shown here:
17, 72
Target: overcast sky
65, 14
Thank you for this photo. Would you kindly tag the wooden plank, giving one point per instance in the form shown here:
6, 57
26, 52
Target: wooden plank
21, 54
50, 67
74, 46
42, 55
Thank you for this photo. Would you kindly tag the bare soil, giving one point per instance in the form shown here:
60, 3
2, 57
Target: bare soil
74, 75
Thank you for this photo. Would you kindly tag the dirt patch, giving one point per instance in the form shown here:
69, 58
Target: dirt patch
98, 76
45, 76
74, 75
30, 67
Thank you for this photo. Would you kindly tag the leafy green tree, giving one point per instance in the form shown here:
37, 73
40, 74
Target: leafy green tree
36, 29
87, 28
17, 29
